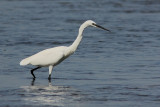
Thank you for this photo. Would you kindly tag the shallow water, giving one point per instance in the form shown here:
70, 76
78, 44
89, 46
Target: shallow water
120, 68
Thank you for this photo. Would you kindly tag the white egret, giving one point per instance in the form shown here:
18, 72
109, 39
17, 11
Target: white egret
53, 56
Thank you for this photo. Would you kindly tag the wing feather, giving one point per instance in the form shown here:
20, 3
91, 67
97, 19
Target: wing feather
47, 57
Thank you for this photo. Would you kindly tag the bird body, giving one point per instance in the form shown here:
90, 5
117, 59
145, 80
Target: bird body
53, 56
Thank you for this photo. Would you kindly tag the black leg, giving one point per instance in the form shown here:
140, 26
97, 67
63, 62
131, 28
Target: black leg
32, 83
34, 70
49, 78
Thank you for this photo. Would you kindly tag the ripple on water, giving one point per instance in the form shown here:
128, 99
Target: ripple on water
108, 69
41, 95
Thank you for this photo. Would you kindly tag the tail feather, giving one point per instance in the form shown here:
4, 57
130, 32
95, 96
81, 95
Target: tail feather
24, 62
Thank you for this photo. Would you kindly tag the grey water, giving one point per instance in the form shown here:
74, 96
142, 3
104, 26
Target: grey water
117, 69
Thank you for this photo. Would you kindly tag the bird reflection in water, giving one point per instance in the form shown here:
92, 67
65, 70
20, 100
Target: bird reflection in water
50, 95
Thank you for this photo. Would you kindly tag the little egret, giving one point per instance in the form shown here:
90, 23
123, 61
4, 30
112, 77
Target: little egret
53, 56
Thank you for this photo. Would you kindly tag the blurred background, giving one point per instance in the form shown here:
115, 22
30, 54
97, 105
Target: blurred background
121, 68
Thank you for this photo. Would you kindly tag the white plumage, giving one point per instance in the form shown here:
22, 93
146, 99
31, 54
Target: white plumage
53, 56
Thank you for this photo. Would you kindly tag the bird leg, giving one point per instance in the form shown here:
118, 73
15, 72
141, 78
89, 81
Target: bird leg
50, 71
49, 77
34, 70
33, 81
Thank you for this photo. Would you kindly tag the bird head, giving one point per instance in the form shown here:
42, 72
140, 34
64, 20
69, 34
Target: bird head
92, 23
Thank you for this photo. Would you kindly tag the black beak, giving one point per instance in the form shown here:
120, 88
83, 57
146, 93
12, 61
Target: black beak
101, 27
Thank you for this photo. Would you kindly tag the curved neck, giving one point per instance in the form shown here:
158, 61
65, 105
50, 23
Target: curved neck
78, 39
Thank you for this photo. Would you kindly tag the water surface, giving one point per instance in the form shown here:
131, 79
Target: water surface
108, 69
